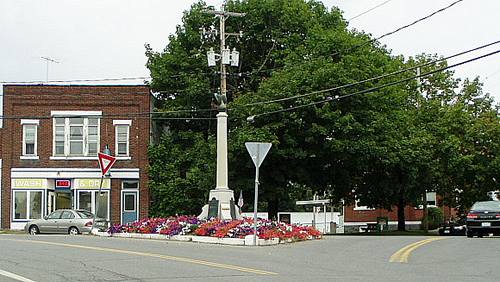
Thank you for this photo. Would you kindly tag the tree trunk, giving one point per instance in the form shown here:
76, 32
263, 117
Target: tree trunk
401, 213
273, 208
401, 202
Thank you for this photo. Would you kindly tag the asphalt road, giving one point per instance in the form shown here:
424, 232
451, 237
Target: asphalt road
335, 258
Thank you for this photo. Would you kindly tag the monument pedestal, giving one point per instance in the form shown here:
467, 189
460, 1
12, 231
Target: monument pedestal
221, 205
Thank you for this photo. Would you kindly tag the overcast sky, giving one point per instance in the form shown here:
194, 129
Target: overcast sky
105, 38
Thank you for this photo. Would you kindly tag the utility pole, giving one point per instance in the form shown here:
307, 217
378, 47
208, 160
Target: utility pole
222, 194
47, 60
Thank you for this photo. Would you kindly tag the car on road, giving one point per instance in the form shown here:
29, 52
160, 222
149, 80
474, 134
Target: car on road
65, 221
483, 219
452, 227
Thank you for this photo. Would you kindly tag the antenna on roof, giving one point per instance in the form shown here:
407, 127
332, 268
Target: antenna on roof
47, 59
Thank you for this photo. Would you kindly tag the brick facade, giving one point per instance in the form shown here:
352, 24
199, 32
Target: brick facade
355, 217
36, 102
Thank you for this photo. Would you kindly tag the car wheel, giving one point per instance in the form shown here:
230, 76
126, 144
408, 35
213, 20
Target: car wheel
480, 234
73, 231
33, 230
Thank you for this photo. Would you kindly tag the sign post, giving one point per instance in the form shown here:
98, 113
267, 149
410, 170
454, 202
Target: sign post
258, 152
106, 161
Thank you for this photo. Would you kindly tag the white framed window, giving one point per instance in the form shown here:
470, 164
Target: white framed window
358, 207
129, 201
76, 136
130, 184
27, 205
92, 200
30, 137
122, 137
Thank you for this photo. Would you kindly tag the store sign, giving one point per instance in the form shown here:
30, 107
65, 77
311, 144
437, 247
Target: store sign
92, 183
29, 183
63, 183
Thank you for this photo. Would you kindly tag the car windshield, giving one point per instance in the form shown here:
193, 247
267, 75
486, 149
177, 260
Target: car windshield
85, 214
490, 206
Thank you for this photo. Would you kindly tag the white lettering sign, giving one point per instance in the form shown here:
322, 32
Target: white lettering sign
29, 183
93, 183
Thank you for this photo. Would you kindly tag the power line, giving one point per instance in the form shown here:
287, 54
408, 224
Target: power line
102, 79
419, 20
400, 28
108, 117
76, 80
249, 73
131, 115
369, 10
330, 99
373, 78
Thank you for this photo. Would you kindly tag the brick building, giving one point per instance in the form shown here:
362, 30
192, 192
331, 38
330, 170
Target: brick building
356, 216
50, 136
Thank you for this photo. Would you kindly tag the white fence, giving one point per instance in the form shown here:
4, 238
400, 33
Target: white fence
319, 220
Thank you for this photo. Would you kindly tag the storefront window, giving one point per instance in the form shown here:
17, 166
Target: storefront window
20, 200
85, 201
28, 204
35, 205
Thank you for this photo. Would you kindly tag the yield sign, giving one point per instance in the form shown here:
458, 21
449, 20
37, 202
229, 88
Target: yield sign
258, 151
105, 162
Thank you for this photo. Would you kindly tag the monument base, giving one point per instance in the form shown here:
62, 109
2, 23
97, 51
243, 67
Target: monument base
221, 205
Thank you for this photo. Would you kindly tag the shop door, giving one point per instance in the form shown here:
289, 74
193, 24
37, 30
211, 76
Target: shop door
51, 203
63, 200
129, 206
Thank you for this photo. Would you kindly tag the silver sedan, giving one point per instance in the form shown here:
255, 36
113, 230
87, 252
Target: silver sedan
65, 221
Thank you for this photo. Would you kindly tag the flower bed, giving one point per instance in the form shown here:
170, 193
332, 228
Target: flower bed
190, 225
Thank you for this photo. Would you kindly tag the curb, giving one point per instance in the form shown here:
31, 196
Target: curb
247, 241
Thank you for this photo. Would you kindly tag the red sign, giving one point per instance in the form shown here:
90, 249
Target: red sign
105, 162
63, 183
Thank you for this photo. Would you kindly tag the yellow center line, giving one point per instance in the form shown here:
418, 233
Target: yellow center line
165, 257
403, 254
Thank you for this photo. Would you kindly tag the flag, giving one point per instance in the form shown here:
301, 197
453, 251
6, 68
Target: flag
240, 200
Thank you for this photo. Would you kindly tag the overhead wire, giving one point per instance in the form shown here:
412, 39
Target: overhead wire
250, 73
372, 89
398, 29
373, 78
240, 73
369, 10
147, 114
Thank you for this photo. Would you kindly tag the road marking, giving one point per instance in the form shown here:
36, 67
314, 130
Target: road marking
14, 276
165, 257
403, 254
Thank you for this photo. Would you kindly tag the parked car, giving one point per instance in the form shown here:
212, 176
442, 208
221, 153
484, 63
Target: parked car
483, 219
453, 227
65, 221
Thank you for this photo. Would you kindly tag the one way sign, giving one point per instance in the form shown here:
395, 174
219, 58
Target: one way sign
105, 162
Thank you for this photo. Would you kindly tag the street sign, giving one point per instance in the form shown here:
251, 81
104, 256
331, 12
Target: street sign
258, 151
105, 162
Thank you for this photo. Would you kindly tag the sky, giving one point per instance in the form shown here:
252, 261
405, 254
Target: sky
95, 39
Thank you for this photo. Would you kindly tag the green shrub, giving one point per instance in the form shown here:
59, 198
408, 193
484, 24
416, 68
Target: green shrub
435, 217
